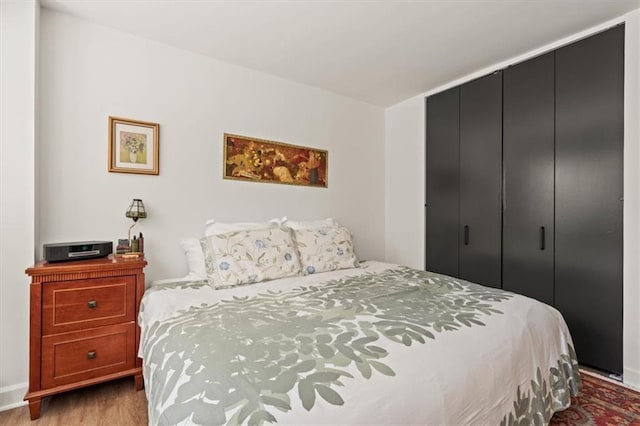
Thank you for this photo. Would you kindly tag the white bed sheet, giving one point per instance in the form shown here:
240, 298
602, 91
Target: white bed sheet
473, 375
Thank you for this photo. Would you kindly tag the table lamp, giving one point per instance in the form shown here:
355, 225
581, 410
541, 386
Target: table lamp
135, 211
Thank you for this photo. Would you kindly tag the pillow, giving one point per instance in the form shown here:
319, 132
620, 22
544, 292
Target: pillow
216, 228
325, 249
250, 256
195, 257
309, 224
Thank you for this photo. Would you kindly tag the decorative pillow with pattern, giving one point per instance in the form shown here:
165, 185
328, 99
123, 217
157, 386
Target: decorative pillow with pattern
325, 249
251, 256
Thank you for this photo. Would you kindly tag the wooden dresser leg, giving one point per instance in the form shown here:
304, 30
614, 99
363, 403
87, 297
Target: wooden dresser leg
34, 407
139, 381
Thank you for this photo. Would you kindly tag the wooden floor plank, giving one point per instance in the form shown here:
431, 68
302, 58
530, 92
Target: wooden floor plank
115, 403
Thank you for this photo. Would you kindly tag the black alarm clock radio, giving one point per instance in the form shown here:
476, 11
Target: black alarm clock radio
60, 252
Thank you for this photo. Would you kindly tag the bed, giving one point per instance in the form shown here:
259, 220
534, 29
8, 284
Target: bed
376, 343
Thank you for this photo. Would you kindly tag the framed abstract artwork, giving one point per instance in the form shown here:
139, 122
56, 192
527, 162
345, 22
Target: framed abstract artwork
133, 146
259, 160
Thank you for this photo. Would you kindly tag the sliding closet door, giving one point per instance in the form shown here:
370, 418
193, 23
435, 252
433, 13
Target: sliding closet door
442, 182
589, 190
480, 180
528, 149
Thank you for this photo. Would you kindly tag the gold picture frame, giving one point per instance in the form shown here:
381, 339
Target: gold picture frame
260, 160
133, 146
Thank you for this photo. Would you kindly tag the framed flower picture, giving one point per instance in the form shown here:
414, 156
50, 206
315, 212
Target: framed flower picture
133, 146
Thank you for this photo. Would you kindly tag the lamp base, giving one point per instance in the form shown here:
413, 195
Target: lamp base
135, 222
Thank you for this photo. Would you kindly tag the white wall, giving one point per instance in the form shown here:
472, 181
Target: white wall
18, 41
631, 308
89, 72
405, 186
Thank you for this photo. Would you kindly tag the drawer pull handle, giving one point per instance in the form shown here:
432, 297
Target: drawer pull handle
91, 354
92, 304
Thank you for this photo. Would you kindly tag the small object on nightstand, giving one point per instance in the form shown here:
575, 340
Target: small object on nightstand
134, 244
77, 250
141, 243
123, 246
135, 211
130, 255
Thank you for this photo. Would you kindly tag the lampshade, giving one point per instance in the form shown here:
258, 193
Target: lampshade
136, 210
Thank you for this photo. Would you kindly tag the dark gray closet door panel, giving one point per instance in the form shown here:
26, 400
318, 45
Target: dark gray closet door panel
480, 180
442, 182
528, 162
589, 189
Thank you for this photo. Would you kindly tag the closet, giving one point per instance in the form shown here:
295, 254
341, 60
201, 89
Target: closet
442, 186
524, 186
464, 181
528, 204
480, 175
464, 161
589, 191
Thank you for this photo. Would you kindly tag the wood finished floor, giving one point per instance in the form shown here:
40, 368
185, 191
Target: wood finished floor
115, 403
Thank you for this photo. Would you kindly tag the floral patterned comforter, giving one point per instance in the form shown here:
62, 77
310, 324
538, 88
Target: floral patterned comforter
379, 344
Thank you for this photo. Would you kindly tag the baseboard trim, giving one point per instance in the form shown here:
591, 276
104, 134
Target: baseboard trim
631, 378
12, 396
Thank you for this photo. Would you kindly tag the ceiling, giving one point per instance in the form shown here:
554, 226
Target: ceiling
380, 52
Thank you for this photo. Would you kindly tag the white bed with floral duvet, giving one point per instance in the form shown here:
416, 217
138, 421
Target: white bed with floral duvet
373, 343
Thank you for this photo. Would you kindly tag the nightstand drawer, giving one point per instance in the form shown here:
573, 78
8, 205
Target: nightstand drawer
82, 355
78, 305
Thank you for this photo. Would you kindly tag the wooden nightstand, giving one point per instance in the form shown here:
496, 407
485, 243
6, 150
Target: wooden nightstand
83, 325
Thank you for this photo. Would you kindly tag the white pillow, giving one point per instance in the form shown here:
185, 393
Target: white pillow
325, 249
216, 228
195, 258
251, 256
309, 224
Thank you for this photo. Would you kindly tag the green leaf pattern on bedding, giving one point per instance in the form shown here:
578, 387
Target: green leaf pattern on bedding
245, 359
537, 406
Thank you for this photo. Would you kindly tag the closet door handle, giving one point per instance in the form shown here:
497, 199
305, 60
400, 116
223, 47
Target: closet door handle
466, 235
542, 238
